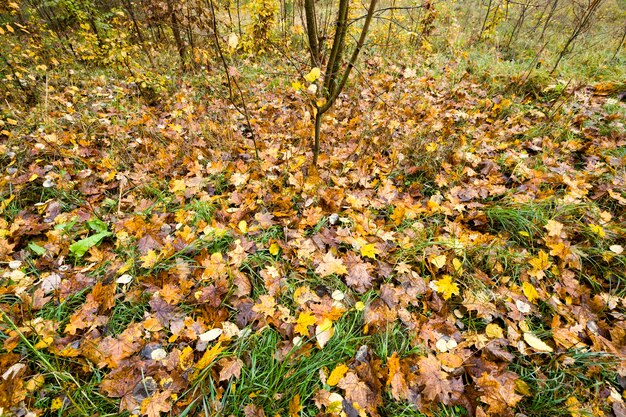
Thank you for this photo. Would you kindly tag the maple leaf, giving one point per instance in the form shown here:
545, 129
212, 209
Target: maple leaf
265, 219
305, 319
149, 259
294, 406
499, 392
369, 250
446, 287
597, 229
395, 378
539, 263
230, 368
266, 305
208, 357
358, 276
330, 265
157, 404
554, 228
436, 383
120, 381
356, 390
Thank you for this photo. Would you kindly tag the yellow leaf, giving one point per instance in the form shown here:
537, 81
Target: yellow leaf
431, 147
274, 249
554, 228
313, 75
369, 250
540, 263
35, 383
493, 331
597, 229
56, 404
458, 266
4, 203
438, 261
243, 226
33, 177
297, 85
536, 343
208, 356
149, 259
359, 306
186, 358
573, 406
294, 406
323, 332
393, 363
530, 292
177, 186
233, 40
305, 319
522, 387
337, 373
446, 287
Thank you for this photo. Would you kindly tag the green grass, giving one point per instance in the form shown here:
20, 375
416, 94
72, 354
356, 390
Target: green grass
270, 383
572, 373
404, 409
396, 338
63, 379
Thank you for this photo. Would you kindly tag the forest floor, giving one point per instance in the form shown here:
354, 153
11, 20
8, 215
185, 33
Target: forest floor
459, 250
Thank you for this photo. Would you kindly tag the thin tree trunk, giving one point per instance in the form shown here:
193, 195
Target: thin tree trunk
311, 31
482, 29
180, 45
580, 27
316, 133
339, 40
619, 45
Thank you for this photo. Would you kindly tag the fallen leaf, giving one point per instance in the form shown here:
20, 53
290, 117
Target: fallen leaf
446, 287
336, 374
536, 343
330, 265
231, 367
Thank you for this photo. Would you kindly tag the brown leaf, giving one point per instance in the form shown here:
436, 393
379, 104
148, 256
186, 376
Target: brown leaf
158, 403
356, 390
499, 392
358, 277
230, 368
437, 383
